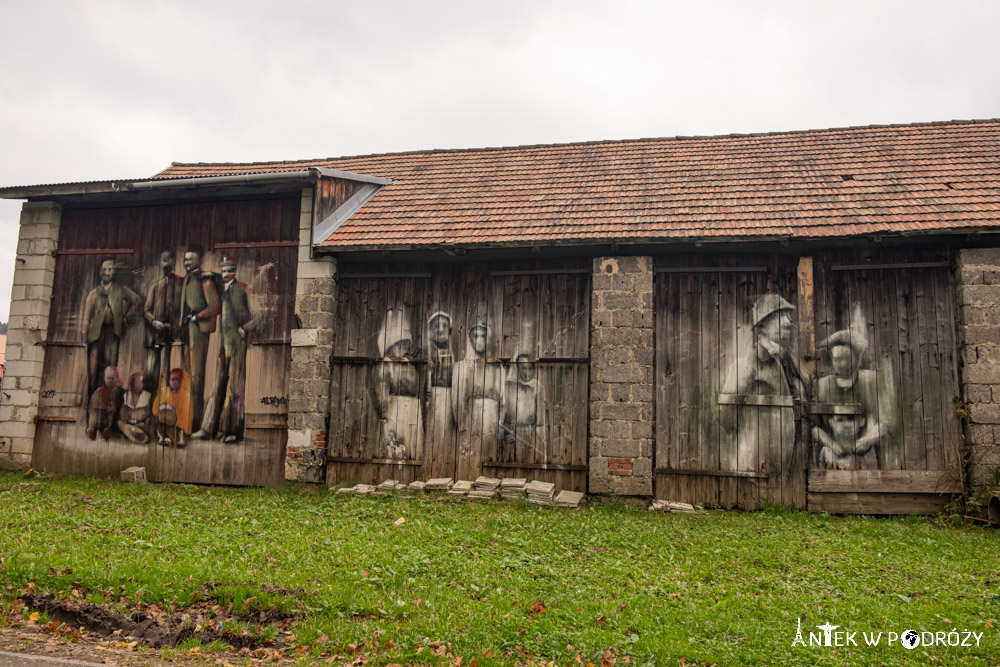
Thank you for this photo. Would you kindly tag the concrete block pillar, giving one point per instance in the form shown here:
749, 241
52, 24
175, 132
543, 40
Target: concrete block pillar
977, 277
312, 344
621, 376
31, 295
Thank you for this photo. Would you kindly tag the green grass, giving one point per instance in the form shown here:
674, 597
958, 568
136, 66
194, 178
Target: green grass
713, 587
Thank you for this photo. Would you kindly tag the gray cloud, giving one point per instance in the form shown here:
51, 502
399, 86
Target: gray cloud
120, 89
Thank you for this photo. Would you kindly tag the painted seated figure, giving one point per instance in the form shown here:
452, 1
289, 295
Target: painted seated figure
103, 405
135, 413
173, 410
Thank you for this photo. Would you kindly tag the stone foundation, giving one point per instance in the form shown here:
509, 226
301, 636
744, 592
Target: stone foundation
31, 294
978, 281
621, 376
312, 344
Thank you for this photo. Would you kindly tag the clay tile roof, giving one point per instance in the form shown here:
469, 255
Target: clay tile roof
899, 179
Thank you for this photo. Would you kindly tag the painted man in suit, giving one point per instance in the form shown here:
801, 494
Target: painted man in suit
161, 312
240, 315
105, 315
199, 310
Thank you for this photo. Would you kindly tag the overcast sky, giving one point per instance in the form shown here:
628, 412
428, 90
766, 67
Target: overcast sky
119, 89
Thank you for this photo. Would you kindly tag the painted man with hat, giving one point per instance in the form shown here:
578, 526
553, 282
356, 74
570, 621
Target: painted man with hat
768, 369
774, 371
239, 317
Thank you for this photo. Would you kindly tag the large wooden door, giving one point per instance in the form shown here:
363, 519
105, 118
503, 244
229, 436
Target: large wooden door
729, 384
458, 371
107, 401
886, 376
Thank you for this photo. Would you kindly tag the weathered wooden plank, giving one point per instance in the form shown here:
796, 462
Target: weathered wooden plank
878, 503
884, 481
665, 311
708, 387
947, 350
728, 285
748, 491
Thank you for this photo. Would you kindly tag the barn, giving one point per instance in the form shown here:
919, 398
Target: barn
806, 318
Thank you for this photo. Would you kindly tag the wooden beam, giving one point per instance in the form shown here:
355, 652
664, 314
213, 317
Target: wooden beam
877, 503
535, 466
755, 399
388, 462
711, 269
711, 473
901, 265
806, 296
883, 481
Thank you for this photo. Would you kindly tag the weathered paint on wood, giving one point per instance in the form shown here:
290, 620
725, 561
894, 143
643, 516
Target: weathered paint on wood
488, 375
107, 365
804, 366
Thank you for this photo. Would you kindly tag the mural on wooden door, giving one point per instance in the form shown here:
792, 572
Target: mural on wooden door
457, 372
166, 354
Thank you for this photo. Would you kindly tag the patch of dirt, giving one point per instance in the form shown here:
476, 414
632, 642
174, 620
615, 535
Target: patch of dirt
149, 625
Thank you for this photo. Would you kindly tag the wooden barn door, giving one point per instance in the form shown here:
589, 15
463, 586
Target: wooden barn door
886, 375
457, 371
542, 318
378, 383
729, 386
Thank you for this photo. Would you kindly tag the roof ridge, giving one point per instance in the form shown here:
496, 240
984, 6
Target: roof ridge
594, 142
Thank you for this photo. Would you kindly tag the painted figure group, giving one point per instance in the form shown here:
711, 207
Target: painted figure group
857, 416
177, 310
468, 399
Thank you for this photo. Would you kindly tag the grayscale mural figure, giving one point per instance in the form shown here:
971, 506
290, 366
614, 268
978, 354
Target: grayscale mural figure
105, 318
477, 389
239, 317
397, 389
199, 310
522, 410
136, 411
441, 364
851, 441
768, 368
161, 314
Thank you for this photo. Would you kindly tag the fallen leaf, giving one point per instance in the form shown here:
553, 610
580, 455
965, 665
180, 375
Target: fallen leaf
537, 608
601, 620
34, 616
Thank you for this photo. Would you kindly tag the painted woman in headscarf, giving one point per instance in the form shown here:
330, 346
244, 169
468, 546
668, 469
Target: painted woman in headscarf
136, 411
523, 437
397, 390
476, 392
440, 366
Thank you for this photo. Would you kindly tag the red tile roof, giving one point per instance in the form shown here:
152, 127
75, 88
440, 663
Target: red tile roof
919, 178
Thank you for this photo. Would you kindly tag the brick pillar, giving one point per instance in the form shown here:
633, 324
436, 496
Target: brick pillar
978, 278
621, 376
34, 271
312, 344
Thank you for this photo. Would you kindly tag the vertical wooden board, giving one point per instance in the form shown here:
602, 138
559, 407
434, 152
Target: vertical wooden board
951, 437
440, 458
890, 378
708, 388
930, 366
748, 456
689, 372
911, 393
728, 286
801, 289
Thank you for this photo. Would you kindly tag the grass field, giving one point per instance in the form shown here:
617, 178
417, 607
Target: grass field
333, 578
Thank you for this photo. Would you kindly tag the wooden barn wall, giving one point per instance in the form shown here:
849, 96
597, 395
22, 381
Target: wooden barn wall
231, 363
823, 382
461, 370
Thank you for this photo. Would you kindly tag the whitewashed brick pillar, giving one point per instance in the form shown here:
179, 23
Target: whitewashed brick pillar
31, 296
